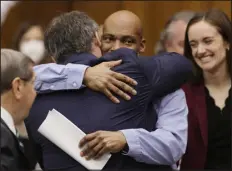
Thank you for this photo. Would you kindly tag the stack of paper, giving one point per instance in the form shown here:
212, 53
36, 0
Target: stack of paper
62, 132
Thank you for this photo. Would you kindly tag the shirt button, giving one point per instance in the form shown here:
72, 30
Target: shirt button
52, 86
74, 84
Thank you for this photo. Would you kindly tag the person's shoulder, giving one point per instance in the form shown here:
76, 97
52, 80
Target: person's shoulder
6, 136
178, 94
124, 54
4, 129
192, 87
124, 51
186, 87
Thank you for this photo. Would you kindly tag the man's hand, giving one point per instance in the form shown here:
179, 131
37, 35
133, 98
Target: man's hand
101, 78
98, 143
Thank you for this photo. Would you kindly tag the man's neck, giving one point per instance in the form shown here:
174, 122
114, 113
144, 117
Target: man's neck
78, 58
11, 107
218, 79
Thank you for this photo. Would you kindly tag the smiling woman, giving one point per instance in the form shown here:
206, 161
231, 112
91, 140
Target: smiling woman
208, 45
208, 48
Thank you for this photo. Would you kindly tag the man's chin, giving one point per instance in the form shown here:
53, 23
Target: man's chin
98, 55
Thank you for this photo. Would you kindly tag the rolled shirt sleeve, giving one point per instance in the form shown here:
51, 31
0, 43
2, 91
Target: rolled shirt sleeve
167, 144
53, 77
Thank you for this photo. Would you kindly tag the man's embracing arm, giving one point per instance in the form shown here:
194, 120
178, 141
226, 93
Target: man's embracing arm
166, 72
54, 77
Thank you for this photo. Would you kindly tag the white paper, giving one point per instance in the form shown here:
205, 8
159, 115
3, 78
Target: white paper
62, 132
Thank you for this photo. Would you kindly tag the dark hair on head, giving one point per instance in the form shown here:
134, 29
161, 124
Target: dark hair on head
221, 21
23, 28
69, 33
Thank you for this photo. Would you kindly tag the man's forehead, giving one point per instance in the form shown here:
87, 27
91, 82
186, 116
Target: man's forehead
122, 28
120, 31
119, 34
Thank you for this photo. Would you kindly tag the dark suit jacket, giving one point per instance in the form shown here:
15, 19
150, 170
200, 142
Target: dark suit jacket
12, 156
92, 111
196, 152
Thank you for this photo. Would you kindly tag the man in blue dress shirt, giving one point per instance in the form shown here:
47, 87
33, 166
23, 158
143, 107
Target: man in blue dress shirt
141, 131
168, 142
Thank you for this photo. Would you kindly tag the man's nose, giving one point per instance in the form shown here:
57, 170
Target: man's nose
116, 45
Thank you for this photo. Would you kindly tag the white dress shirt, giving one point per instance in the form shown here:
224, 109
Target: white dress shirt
7, 118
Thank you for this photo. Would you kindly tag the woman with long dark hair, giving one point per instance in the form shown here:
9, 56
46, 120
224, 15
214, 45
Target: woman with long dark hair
208, 46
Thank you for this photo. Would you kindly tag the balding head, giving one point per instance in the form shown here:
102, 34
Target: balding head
122, 29
125, 19
172, 37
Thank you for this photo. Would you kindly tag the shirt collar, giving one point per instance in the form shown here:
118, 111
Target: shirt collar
7, 118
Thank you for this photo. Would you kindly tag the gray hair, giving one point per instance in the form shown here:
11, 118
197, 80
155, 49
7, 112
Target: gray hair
69, 33
14, 64
185, 16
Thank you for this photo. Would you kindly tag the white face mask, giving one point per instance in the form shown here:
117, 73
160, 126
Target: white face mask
34, 49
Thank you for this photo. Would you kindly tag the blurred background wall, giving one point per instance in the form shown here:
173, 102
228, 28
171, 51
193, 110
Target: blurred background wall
153, 14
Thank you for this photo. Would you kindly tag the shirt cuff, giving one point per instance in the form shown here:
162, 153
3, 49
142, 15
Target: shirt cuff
132, 142
76, 74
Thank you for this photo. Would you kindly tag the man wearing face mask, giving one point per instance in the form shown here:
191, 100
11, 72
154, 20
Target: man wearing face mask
168, 142
164, 66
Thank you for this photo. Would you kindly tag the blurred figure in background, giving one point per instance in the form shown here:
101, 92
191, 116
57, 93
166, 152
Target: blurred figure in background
208, 46
172, 37
30, 40
6, 6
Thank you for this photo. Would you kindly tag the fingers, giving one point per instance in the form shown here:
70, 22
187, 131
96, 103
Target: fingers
90, 147
119, 76
110, 95
109, 82
112, 64
101, 152
124, 78
93, 144
87, 138
114, 86
117, 91
123, 87
94, 151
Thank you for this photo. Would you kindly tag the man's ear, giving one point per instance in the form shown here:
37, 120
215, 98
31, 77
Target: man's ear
17, 88
96, 46
227, 46
98, 40
100, 31
142, 46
